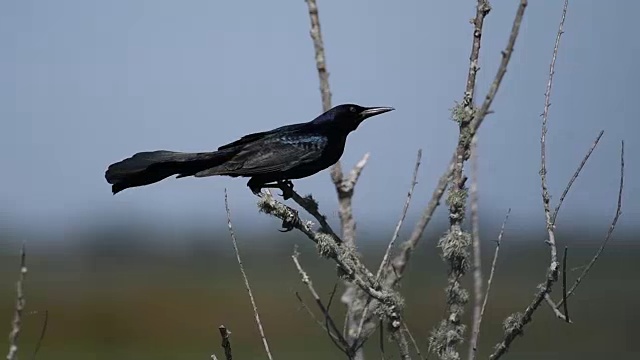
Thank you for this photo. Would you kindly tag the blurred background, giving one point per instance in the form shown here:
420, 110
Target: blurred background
151, 274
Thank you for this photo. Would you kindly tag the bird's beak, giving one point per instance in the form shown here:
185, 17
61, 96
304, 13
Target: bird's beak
373, 111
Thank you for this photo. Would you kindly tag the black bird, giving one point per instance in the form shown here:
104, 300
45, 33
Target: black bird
270, 158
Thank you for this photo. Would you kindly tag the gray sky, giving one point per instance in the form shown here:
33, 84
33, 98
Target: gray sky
87, 83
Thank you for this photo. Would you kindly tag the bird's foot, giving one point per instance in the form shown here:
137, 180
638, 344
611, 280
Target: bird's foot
290, 223
287, 189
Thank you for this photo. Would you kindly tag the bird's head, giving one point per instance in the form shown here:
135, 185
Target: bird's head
349, 116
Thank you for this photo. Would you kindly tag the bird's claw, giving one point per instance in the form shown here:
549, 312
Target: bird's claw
291, 222
287, 189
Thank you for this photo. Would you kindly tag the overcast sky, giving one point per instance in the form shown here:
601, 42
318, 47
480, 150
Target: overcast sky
87, 83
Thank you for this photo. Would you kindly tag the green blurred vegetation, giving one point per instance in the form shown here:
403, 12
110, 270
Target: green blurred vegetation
129, 294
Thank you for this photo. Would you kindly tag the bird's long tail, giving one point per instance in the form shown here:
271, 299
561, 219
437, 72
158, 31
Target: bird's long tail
146, 168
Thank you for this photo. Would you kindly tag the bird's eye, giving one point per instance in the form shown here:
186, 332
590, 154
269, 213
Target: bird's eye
352, 109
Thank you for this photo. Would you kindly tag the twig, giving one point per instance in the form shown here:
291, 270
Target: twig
358, 340
413, 341
244, 276
516, 323
398, 265
396, 232
564, 286
475, 240
609, 232
575, 176
313, 316
226, 344
381, 340
330, 326
550, 219
16, 325
476, 329
42, 334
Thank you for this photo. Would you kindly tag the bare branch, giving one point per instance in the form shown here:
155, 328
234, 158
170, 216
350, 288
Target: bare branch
612, 227
344, 188
226, 344
399, 263
403, 345
381, 340
413, 340
396, 232
332, 329
555, 308
476, 330
575, 176
475, 241
244, 276
16, 325
514, 324
564, 286
318, 45
43, 332
349, 264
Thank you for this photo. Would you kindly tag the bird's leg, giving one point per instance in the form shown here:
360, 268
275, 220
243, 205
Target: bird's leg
285, 185
287, 189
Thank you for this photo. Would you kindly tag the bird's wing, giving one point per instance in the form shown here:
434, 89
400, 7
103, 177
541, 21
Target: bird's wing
247, 139
275, 154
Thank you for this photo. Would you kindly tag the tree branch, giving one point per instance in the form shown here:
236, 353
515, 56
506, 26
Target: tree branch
332, 329
476, 329
16, 325
515, 323
612, 227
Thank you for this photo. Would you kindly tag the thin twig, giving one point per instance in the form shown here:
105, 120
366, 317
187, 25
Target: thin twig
476, 330
398, 265
564, 286
313, 316
575, 176
396, 232
475, 241
413, 340
555, 309
226, 344
16, 325
42, 334
364, 317
244, 276
609, 232
381, 339
330, 325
